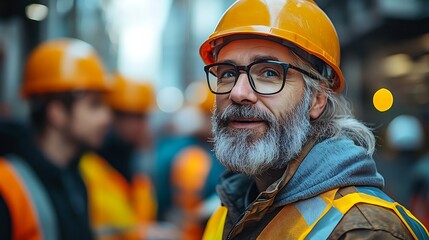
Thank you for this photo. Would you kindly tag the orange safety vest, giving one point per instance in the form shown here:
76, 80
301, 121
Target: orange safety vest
317, 217
189, 173
30, 208
118, 209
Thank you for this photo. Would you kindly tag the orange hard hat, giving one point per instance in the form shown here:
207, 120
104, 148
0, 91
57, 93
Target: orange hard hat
207, 99
63, 65
298, 24
130, 96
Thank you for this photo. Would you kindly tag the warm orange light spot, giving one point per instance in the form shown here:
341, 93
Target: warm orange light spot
383, 100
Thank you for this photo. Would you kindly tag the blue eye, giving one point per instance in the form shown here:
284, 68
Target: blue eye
228, 74
270, 73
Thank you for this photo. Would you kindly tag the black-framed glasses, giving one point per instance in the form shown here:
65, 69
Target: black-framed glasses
266, 77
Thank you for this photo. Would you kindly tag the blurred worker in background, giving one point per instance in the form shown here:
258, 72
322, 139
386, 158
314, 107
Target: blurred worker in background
419, 202
187, 171
121, 195
405, 138
299, 164
42, 194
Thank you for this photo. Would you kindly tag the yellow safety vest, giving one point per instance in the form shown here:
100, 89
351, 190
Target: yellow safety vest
118, 209
317, 217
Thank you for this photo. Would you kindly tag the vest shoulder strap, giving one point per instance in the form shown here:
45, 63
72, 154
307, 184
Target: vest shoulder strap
36, 196
375, 196
317, 217
25, 224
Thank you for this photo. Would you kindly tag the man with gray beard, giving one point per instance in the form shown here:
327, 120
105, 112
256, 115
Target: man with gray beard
299, 164
283, 140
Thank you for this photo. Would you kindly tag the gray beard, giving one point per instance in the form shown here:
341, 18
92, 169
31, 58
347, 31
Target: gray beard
240, 150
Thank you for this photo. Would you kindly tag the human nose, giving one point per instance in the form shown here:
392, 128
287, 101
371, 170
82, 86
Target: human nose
242, 92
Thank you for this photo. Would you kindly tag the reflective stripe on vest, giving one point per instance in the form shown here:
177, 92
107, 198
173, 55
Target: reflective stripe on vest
369, 195
29, 205
317, 217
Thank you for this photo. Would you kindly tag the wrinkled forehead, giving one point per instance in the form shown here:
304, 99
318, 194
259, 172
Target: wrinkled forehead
250, 50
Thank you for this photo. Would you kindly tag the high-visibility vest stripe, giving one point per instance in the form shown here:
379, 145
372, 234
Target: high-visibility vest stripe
327, 218
25, 224
325, 225
369, 195
39, 197
373, 191
311, 209
418, 231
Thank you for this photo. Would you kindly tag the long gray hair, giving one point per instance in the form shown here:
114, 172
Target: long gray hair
337, 119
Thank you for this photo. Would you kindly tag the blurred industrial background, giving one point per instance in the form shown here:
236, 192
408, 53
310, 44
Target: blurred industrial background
385, 44
385, 57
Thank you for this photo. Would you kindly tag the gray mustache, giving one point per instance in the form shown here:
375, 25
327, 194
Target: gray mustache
245, 111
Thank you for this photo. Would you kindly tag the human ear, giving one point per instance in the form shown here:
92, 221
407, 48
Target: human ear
318, 104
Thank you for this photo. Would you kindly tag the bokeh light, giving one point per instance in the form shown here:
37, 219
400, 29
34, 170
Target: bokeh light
383, 100
170, 99
397, 65
36, 12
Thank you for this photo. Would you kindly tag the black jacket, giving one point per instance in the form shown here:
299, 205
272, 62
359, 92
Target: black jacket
64, 187
119, 154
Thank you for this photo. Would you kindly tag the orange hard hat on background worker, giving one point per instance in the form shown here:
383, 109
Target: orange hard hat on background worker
207, 99
200, 96
299, 25
130, 96
63, 65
